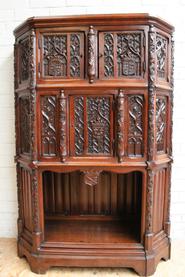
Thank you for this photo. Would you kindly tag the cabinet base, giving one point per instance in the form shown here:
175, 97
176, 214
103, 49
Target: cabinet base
144, 264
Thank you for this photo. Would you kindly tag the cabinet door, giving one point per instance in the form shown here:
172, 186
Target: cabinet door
62, 55
91, 125
122, 54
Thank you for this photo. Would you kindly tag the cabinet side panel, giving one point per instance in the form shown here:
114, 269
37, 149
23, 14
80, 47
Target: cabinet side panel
26, 192
158, 206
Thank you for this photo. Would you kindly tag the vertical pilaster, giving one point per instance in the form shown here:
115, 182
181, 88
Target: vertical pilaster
63, 125
151, 139
120, 126
91, 39
32, 78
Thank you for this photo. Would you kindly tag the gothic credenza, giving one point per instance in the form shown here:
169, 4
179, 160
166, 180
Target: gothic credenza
93, 104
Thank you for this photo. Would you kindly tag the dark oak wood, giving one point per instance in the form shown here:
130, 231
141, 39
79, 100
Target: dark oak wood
93, 109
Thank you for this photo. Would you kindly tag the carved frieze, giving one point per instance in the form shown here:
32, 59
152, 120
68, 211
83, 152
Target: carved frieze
135, 131
98, 124
48, 138
161, 54
161, 113
79, 125
129, 54
63, 125
91, 54
120, 126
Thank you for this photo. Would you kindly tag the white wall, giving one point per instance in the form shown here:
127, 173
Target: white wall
12, 12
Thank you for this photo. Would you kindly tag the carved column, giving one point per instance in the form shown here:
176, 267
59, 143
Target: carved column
91, 54
62, 127
167, 223
36, 208
120, 125
151, 138
32, 76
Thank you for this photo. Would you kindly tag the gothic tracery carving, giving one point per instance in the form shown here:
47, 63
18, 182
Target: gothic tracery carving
55, 55
108, 55
161, 53
135, 132
129, 54
25, 125
79, 125
98, 124
48, 110
75, 55
160, 123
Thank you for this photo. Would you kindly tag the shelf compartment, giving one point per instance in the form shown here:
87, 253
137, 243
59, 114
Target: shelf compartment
91, 231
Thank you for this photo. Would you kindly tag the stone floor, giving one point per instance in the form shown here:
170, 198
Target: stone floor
12, 266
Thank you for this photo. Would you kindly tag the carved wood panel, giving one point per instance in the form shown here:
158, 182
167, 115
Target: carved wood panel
161, 55
92, 131
161, 119
159, 197
135, 129
122, 54
63, 55
25, 124
24, 54
26, 198
49, 125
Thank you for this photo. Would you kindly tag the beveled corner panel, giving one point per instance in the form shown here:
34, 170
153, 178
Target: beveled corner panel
61, 55
163, 56
122, 54
160, 196
25, 124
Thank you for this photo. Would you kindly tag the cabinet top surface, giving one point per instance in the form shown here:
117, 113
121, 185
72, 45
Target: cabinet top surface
83, 20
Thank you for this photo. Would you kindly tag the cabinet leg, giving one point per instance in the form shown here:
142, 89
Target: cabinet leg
39, 269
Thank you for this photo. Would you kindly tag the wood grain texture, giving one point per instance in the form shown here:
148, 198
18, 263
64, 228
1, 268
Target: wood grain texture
93, 108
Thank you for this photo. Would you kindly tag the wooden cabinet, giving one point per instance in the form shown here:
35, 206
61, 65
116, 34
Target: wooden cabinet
93, 104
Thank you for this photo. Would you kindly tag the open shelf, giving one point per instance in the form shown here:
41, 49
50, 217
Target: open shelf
91, 231
109, 212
